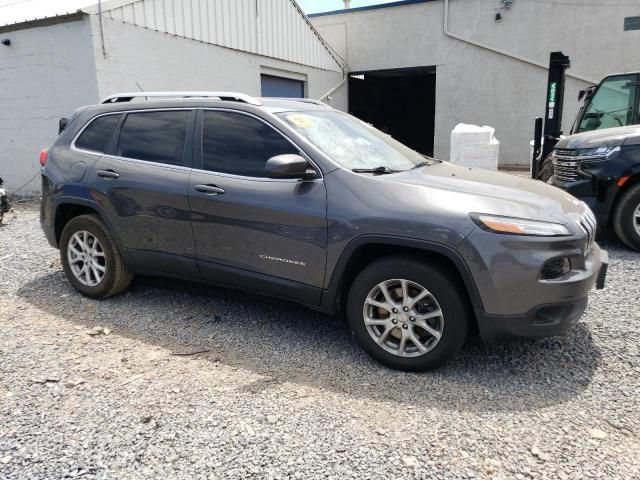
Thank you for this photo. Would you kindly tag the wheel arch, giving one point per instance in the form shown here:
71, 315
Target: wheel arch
67, 208
361, 251
634, 179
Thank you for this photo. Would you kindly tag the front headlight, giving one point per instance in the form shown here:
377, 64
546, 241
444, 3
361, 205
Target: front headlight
519, 226
598, 153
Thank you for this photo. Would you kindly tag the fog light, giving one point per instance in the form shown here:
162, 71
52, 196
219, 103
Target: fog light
556, 268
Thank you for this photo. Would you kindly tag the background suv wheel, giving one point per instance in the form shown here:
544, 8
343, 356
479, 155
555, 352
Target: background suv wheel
408, 314
546, 170
626, 218
90, 258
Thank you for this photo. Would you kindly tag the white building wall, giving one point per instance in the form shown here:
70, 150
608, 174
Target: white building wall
160, 61
474, 85
45, 74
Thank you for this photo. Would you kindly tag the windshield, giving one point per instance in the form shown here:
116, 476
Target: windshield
351, 142
612, 105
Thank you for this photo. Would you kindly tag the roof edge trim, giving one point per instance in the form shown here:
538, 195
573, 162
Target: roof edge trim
43, 22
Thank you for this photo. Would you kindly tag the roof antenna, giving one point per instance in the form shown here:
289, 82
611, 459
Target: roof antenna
141, 89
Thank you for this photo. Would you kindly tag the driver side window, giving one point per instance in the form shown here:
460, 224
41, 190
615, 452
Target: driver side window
239, 144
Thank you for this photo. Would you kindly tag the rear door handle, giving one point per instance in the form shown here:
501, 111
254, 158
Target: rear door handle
107, 174
209, 189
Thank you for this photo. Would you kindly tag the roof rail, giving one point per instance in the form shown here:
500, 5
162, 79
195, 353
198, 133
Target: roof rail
231, 96
303, 100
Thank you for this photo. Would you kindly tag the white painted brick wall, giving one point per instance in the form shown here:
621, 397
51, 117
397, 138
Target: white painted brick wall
45, 74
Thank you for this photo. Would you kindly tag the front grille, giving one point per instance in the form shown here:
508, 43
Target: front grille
588, 225
565, 165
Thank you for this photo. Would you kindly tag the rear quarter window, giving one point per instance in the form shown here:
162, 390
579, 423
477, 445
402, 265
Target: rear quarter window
97, 134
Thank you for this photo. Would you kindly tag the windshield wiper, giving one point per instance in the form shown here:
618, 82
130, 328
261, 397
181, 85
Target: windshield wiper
376, 171
425, 163
421, 164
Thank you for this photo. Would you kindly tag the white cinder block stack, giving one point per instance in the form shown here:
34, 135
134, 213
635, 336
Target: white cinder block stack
474, 146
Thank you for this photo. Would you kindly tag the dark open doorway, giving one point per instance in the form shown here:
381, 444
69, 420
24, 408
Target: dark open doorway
400, 102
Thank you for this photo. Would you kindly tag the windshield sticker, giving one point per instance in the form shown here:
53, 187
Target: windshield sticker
301, 121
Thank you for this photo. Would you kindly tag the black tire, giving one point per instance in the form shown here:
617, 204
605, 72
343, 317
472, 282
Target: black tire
624, 219
448, 292
546, 170
116, 276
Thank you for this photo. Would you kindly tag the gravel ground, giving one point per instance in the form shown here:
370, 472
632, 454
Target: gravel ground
176, 380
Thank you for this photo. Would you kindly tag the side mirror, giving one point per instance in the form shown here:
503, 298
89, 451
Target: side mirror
581, 94
289, 166
62, 124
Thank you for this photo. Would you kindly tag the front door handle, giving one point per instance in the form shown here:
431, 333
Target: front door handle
209, 189
107, 174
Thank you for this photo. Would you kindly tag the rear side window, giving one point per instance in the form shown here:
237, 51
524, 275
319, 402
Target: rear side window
239, 144
96, 136
154, 136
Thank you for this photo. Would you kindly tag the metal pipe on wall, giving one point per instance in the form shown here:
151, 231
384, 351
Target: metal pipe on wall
345, 73
521, 58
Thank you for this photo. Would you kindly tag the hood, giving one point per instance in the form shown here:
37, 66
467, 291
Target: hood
467, 190
610, 137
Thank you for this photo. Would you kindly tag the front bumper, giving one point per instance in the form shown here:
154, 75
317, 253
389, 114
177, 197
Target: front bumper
515, 299
596, 182
598, 195
546, 319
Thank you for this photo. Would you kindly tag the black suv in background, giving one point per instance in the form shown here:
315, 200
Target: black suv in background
602, 168
294, 199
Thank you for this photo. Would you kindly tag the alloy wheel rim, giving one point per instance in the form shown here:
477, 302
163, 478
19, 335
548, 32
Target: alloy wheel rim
403, 318
636, 219
86, 258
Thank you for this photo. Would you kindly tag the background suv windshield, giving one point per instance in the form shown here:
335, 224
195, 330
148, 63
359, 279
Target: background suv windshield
612, 105
352, 143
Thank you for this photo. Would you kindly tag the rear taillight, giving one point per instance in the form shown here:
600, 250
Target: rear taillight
43, 156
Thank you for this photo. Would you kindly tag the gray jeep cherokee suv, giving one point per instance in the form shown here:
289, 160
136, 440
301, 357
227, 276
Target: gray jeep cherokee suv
294, 199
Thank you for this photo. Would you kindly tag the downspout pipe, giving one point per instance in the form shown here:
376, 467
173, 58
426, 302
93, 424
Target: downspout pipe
499, 51
345, 76
104, 49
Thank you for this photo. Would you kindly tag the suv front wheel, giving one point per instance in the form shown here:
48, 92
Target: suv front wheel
91, 260
408, 314
626, 218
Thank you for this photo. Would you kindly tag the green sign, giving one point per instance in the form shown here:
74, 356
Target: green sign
552, 92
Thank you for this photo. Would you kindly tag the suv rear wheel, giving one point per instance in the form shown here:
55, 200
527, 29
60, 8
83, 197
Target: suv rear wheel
626, 218
91, 259
408, 314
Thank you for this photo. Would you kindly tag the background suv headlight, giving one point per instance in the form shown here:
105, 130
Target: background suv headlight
519, 226
598, 153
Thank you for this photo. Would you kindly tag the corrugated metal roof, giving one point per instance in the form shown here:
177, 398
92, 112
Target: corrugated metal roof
273, 28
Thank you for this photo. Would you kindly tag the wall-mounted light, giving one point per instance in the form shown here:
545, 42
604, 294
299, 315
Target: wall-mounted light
6, 42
